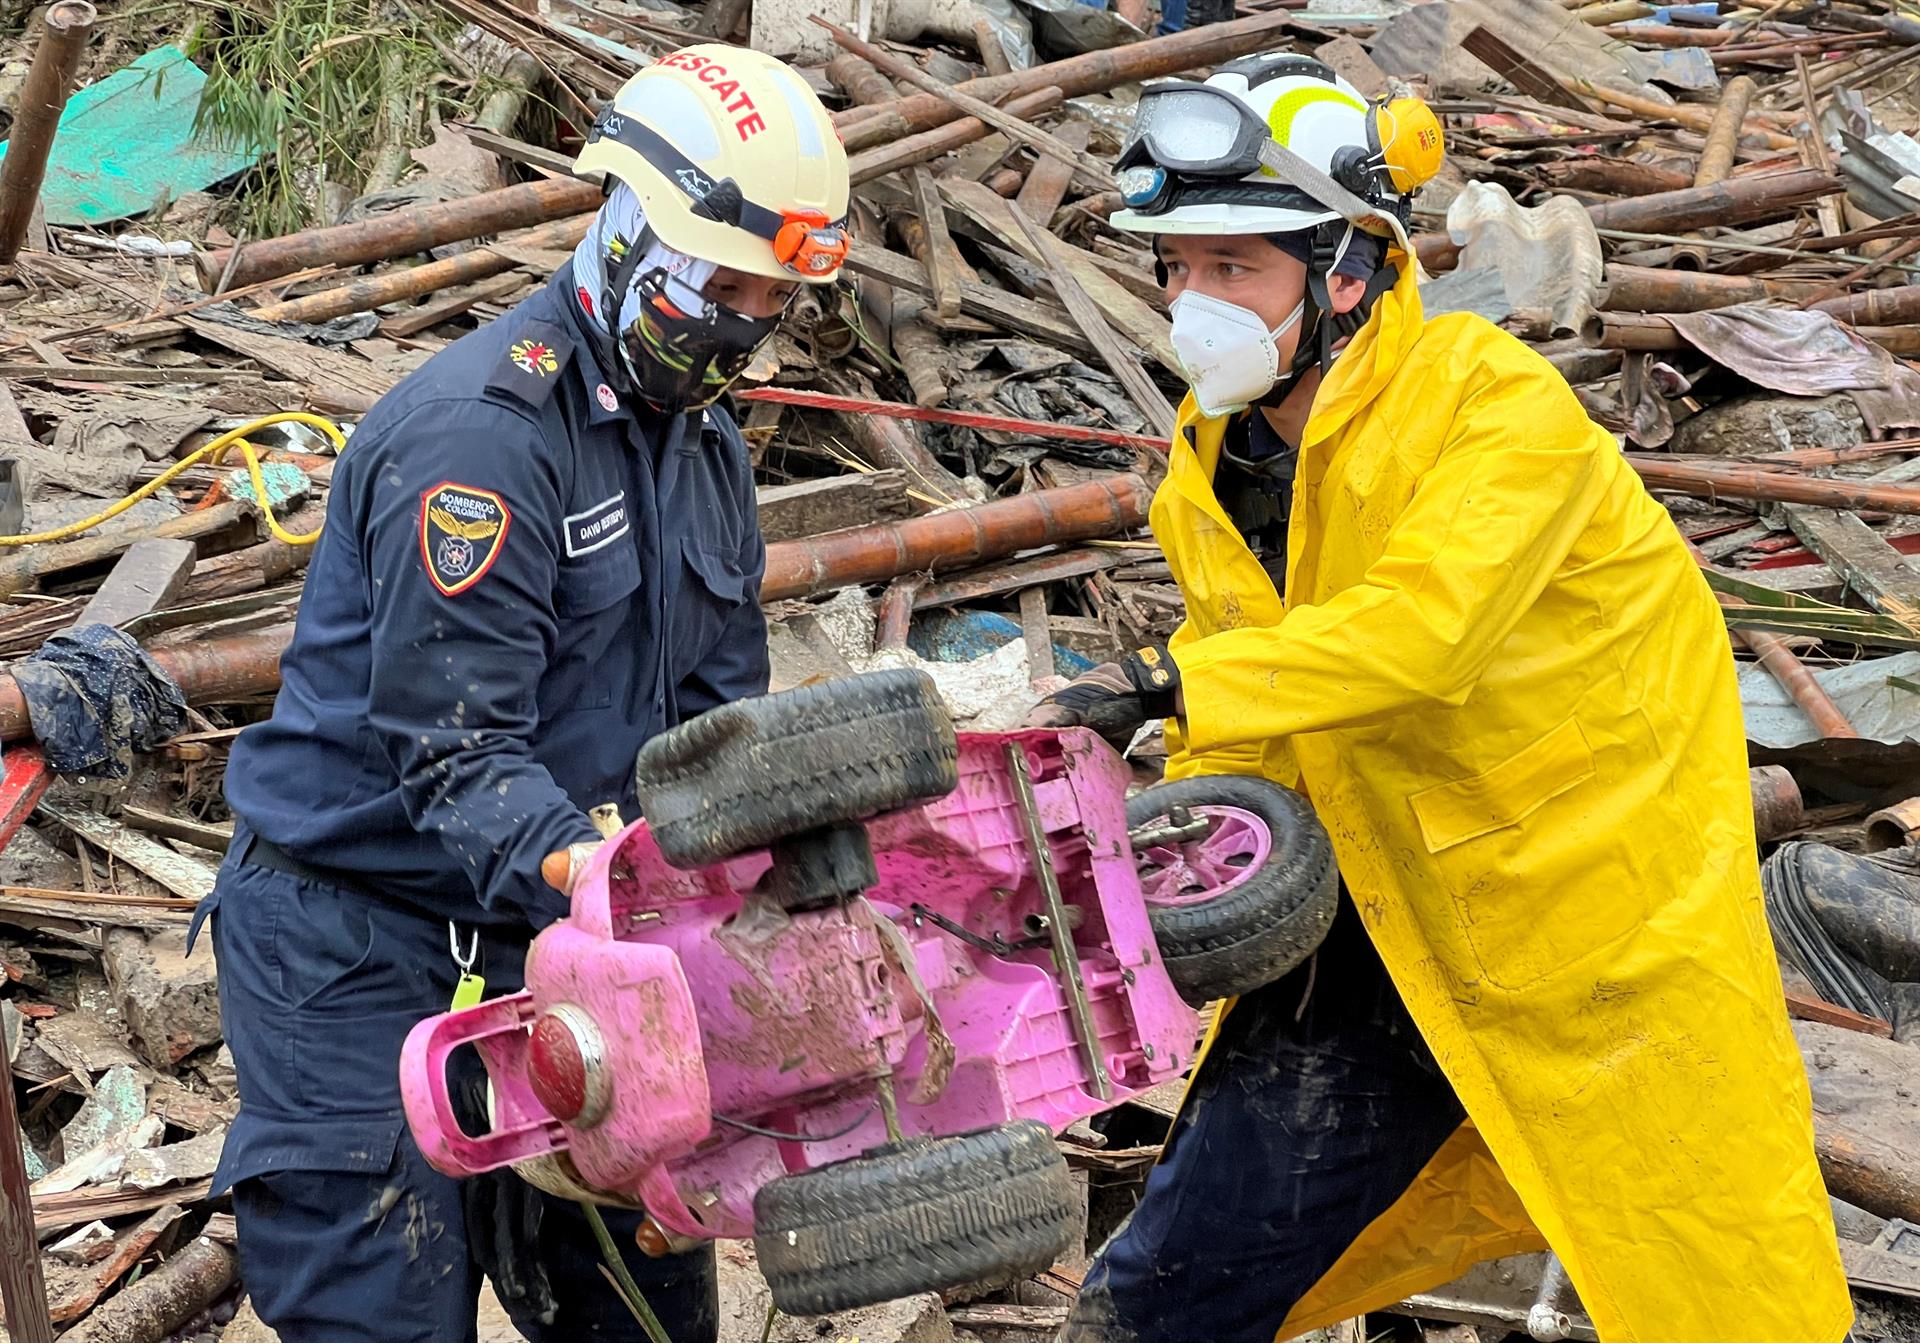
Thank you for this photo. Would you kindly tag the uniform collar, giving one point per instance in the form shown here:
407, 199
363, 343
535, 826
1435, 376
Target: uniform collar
593, 355
595, 362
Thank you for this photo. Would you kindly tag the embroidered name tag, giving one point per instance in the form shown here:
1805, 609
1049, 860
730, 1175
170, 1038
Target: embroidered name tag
595, 527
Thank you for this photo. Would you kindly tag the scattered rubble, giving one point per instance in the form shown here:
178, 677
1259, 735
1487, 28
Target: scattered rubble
1706, 217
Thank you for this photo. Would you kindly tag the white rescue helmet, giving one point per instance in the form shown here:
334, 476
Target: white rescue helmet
734, 159
1274, 144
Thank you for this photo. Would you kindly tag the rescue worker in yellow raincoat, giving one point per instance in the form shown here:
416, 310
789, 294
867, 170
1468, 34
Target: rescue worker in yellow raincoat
1424, 589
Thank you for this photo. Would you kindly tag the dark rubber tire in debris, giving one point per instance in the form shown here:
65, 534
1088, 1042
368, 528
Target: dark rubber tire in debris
915, 1216
754, 771
1270, 919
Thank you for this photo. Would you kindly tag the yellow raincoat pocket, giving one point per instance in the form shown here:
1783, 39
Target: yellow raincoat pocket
1452, 813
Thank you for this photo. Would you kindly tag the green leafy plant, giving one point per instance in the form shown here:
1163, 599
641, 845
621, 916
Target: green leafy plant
320, 84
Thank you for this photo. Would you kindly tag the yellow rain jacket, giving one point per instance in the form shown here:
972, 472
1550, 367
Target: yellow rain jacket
1509, 694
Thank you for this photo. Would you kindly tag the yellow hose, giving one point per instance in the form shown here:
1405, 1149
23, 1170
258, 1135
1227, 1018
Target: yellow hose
215, 450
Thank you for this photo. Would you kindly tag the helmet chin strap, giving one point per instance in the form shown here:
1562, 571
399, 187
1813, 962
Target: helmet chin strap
612, 301
1321, 328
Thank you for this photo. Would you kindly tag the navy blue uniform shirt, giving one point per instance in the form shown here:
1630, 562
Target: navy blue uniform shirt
523, 577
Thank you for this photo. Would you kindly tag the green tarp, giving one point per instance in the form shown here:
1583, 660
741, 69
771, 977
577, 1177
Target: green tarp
126, 144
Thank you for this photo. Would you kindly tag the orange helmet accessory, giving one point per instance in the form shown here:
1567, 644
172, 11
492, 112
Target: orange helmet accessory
809, 244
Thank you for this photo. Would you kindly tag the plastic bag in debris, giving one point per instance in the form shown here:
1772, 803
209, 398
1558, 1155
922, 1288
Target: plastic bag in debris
1013, 28
94, 698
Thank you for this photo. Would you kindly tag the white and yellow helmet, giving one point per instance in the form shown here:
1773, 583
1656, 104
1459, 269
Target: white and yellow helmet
734, 159
1274, 144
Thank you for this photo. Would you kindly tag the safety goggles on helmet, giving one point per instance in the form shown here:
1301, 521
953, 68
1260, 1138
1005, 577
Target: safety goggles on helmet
683, 350
1187, 127
805, 242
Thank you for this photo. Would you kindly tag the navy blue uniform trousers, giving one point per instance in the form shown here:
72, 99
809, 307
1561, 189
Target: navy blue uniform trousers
346, 1234
1313, 1112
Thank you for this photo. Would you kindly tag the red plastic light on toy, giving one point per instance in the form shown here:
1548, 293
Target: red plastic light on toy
808, 243
564, 1066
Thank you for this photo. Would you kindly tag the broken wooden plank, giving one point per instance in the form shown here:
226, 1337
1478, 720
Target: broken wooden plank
117, 373
1036, 633
1493, 52
1014, 575
188, 1282
810, 507
336, 382
1040, 1320
1118, 357
1802, 1007
940, 255
1045, 189
1007, 311
148, 576
1880, 1270
71, 1292
449, 306
56, 1212
215, 838
1861, 556
184, 876
1131, 316
29, 566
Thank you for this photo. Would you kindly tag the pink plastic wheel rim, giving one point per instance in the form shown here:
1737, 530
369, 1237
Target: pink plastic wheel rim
1205, 868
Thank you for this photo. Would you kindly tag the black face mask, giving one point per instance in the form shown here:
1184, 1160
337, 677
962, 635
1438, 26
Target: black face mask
683, 361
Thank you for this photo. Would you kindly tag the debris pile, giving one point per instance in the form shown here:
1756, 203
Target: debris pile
1707, 217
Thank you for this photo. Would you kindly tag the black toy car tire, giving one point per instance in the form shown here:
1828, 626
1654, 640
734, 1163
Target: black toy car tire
1256, 930
746, 774
915, 1216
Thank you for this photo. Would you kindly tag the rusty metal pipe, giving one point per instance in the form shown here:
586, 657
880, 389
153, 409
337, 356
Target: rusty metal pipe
43, 97
929, 145
403, 232
957, 538
1778, 808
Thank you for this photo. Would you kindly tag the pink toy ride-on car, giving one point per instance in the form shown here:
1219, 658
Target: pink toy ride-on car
842, 986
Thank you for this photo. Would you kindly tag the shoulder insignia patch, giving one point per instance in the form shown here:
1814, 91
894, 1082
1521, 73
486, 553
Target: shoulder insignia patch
461, 532
533, 356
529, 368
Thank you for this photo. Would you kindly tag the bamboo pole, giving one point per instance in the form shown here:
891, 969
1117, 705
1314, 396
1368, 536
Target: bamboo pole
853, 76
1650, 289
1084, 164
1092, 72
1716, 159
1738, 200
373, 291
929, 145
1693, 118
43, 97
1875, 307
402, 232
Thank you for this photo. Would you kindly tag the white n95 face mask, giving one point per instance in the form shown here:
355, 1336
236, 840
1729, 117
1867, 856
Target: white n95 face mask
1226, 353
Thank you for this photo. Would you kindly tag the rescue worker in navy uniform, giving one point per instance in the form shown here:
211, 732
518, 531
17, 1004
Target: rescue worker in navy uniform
541, 550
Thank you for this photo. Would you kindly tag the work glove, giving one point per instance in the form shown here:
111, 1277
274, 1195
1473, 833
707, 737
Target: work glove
1115, 699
